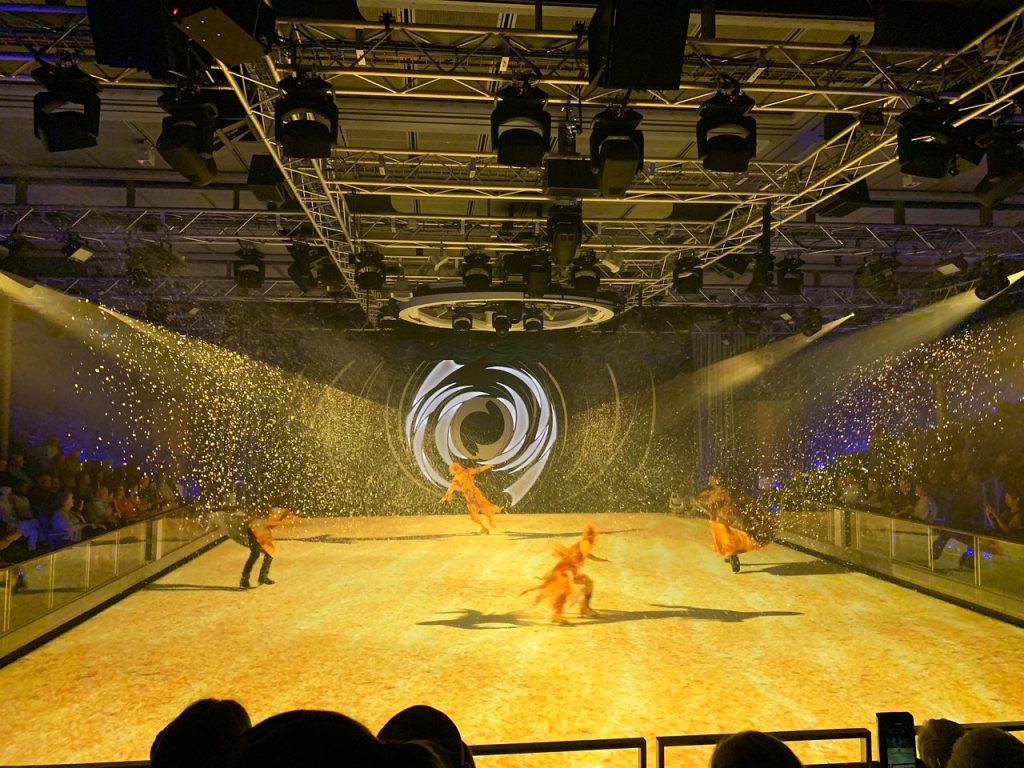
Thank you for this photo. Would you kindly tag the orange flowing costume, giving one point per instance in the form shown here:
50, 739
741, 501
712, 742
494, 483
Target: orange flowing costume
261, 528
476, 502
557, 586
727, 540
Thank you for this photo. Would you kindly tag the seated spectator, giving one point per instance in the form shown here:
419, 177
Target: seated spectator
22, 517
925, 510
124, 505
753, 749
873, 495
99, 510
12, 472
66, 524
43, 497
935, 741
987, 748
204, 735
8, 535
850, 493
44, 453
317, 739
426, 724
166, 491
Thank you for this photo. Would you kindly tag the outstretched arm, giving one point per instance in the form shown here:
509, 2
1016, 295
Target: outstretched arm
478, 470
598, 559
450, 492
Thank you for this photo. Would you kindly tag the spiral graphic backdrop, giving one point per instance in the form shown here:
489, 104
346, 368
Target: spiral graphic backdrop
483, 414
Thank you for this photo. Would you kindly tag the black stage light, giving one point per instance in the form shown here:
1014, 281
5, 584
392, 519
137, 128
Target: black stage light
565, 232
789, 277
249, 270
763, 274
76, 249
387, 320
878, 274
926, 141
330, 276
267, 182
993, 278
370, 271
584, 274
186, 139
476, 271
501, 320
726, 134
301, 269
616, 150
538, 274
1005, 176
306, 117
462, 319
67, 114
520, 126
533, 320
687, 276
513, 267
810, 321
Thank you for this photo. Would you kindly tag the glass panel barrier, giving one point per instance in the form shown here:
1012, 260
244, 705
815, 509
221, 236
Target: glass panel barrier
911, 542
132, 549
874, 534
102, 559
29, 596
71, 572
1002, 566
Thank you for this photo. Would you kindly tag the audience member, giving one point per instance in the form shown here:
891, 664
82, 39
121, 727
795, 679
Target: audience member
935, 741
98, 510
204, 735
987, 748
318, 739
65, 523
421, 723
21, 516
14, 473
925, 509
124, 505
753, 749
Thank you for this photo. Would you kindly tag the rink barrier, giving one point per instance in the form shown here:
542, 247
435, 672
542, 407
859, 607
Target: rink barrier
639, 744
67, 585
862, 735
974, 569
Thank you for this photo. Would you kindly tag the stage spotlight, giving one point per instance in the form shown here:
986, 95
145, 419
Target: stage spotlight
788, 276
993, 278
616, 150
249, 270
462, 319
57, 126
533, 320
726, 135
583, 273
538, 274
501, 320
810, 321
687, 276
330, 276
306, 117
266, 181
926, 141
565, 232
387, 320
370, 272
301, 269
878, 274
520, 126
953, 266
611, 261
1005, 176
76, 249
186, 141
476, 271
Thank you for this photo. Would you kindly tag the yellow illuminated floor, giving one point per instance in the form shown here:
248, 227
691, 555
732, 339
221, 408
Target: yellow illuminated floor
370, 615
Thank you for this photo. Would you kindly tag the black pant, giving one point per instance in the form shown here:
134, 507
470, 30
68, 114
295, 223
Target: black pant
255, 550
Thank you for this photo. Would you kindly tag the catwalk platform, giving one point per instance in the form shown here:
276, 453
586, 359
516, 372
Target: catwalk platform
370, 615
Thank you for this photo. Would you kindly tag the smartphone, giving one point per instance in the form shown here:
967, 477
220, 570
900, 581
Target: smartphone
896, 742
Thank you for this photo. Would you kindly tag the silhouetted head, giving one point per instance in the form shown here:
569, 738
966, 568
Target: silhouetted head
753, 749
426, 724
987, 748
204, 735
455, 468
935, 741
590, 532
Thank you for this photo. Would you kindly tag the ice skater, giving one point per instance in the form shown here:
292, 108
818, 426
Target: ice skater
561, 580
260, 540
734, 527
477, 504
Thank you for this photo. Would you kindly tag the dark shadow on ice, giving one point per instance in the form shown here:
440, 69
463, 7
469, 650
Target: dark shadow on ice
328, 539
192, 588
468, 618
574, 534
806, 568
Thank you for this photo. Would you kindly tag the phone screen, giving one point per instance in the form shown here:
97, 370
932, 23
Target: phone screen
896, 737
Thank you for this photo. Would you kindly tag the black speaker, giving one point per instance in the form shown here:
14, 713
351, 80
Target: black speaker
638, 44
266, 181
139, 34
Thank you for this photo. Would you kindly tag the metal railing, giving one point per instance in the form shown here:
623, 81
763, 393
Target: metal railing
580, 745
862, 735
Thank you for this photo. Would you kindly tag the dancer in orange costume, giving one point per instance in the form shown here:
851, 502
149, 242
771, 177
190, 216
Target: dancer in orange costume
558, 584
259, 539
726, 512
476, 502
